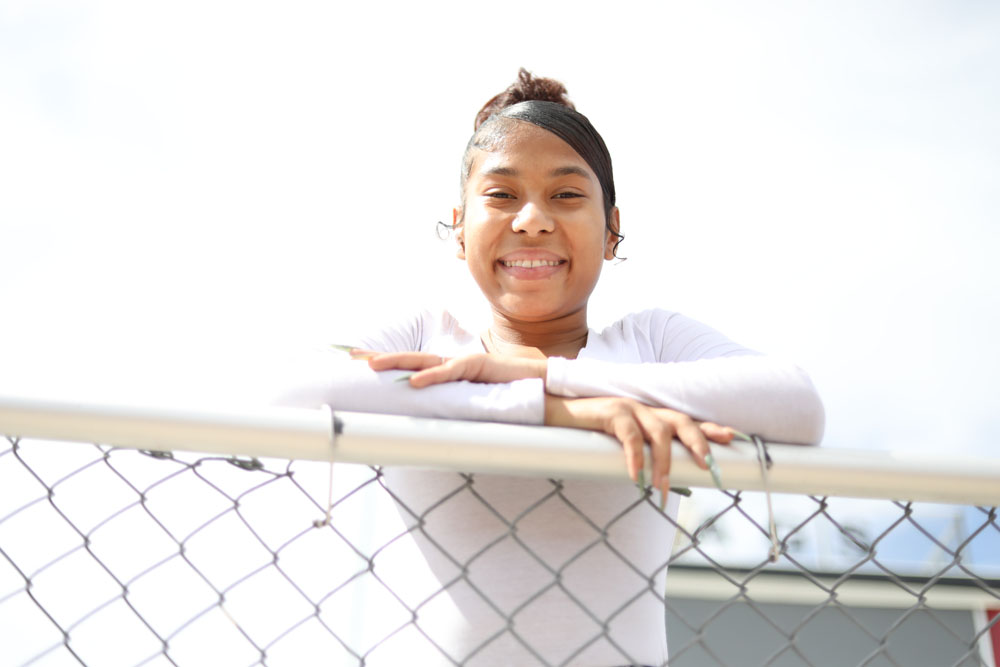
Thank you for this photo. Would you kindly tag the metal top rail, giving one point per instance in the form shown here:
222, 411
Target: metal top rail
377, 439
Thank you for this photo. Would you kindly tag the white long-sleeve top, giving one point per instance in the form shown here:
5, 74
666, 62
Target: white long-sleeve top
517, 571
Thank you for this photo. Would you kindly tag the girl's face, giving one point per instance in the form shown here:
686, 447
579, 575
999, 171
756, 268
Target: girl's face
533, 228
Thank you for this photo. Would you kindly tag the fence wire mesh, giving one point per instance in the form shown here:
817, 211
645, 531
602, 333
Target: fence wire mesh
122, 557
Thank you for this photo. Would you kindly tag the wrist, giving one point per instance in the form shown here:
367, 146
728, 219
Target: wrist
554, 410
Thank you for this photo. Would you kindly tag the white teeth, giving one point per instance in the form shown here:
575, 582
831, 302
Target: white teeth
531, 263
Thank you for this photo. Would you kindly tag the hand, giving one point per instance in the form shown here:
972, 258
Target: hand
434, 369
634, 424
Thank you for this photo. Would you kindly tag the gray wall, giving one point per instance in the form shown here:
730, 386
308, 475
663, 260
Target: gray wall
741, 635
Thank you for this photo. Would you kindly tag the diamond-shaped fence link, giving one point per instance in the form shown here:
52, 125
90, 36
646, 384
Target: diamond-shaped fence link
127, 557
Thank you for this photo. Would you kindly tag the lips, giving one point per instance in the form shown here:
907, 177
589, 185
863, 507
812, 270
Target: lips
531, 264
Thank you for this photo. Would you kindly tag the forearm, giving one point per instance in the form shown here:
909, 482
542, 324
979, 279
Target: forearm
558, 412
352, 386
752, 393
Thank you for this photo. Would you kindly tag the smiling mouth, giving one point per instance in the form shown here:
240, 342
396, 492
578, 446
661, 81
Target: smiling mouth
531, 263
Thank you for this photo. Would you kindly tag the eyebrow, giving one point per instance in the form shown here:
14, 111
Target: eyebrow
568, 170
501, 171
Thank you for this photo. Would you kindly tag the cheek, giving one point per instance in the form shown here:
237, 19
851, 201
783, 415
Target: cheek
595, 243
477, 236
478, 251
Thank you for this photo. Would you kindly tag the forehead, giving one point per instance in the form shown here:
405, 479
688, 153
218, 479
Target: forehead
526, 148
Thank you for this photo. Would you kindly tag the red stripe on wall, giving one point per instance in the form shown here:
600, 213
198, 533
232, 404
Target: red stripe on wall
991, 615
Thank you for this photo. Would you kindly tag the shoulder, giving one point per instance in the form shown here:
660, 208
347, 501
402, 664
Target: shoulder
633, 338
651, 321
658, 335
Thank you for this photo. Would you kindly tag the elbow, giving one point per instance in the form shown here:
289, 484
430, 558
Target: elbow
806, 417
782, 406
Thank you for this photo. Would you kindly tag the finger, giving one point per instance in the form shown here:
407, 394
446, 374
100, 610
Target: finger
626, 429
407, 361
691, 436
660, 435
720, 434
449, 371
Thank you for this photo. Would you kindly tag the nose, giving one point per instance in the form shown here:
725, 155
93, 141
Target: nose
532, 220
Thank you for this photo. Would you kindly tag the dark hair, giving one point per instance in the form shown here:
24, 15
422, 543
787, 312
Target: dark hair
543, 103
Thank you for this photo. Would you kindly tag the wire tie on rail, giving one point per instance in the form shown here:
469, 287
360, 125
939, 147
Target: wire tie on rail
325, 521
250, 464
764, 459
336, 425
156, 454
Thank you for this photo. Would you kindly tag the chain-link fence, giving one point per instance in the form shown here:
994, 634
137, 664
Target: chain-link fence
115, 556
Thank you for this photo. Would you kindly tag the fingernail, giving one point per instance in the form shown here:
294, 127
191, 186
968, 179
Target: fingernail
741, 435
404, 378
713, 468
343, 348
642, 483
679, 490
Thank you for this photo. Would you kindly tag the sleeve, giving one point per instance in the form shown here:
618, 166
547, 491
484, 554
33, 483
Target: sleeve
330, 378
350, 385
701, 373
399, 335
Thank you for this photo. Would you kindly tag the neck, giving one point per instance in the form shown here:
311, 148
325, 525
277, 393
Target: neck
562, 337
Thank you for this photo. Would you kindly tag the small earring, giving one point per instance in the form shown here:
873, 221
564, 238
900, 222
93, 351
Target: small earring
444, 230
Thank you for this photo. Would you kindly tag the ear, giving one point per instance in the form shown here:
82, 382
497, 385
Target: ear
614, 221
457, 216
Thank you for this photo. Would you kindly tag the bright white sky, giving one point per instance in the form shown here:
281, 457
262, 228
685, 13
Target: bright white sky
186, 184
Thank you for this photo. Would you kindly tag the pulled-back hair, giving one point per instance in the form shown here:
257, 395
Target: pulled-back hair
543, 103
525, 89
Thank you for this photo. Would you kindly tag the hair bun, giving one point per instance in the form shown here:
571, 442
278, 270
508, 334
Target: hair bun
527, 87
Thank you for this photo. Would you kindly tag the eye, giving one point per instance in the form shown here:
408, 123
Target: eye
499, 195
567, 195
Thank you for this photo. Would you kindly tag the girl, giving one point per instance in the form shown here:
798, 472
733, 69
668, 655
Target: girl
530, 571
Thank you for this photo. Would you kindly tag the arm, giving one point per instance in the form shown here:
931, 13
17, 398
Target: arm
752, 393
332, 379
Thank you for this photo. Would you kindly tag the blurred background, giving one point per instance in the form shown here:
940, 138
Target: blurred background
188, 188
